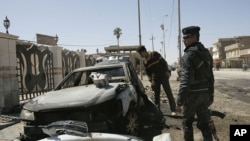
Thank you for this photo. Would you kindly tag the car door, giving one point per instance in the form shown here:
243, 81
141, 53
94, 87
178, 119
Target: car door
135, 80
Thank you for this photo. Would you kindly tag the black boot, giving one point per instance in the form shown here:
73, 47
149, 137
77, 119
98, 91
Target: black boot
188, 134
207, 135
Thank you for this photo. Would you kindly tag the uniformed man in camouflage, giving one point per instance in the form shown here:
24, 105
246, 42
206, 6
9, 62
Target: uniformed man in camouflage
158, 73
196, 85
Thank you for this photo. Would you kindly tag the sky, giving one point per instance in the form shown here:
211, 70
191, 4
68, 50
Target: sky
89, 24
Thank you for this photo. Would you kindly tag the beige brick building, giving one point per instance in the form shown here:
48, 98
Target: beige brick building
232, 52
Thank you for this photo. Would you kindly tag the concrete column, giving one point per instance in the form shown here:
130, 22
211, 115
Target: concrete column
82, 55
9, 96
57, 64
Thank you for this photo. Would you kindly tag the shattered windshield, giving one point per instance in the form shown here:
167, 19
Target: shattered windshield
79, 78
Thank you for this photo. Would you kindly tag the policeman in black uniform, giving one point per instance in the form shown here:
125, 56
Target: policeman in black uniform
196, 85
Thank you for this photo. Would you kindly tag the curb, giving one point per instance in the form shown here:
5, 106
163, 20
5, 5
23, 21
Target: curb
8, 120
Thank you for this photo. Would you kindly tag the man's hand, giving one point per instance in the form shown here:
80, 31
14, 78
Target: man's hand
211, 100
178, 109
168, 74
210, 103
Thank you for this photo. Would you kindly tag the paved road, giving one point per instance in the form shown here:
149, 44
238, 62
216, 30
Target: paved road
233, 78
234, 83
230, 78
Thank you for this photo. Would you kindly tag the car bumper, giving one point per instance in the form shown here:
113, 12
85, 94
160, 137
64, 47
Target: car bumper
35, 131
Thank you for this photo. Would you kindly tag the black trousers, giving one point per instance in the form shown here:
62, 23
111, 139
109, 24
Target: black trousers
196, 104
168, 91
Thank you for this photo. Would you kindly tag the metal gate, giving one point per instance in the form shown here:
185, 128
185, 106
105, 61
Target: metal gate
34, 70
70, 61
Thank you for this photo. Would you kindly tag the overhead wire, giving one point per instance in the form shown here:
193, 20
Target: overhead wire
171, 23
147, 9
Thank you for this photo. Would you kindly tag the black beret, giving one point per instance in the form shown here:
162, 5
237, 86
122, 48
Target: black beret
141, 49
191, 30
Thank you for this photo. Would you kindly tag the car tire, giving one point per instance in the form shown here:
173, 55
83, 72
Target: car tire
131, 123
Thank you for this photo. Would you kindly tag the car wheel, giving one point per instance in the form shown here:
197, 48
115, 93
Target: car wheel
131, 123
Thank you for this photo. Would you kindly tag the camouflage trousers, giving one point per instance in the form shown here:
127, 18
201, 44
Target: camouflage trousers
196, 105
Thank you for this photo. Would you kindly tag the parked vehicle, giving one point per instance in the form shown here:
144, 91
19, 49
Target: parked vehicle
171, 68
109, 98
116, 57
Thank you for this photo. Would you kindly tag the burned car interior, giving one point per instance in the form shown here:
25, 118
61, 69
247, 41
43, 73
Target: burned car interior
87, 77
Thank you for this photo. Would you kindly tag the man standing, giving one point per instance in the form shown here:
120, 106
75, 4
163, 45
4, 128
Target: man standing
157, 71
196, 85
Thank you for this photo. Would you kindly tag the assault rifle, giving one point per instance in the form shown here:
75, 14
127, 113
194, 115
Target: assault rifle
211, 123
213, 129
217, 114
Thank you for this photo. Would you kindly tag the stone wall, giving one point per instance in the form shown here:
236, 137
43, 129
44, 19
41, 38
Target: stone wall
8, 79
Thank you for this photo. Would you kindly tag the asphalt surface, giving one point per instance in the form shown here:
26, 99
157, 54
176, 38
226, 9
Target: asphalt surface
11, 126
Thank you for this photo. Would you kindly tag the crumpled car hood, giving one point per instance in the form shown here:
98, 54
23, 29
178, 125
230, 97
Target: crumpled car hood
81, 96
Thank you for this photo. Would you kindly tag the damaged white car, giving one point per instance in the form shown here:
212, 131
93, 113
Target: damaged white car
108, 98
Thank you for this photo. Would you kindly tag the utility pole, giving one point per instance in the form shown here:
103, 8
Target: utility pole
152, 38
179, 36
139, 22
162, 54
164, 42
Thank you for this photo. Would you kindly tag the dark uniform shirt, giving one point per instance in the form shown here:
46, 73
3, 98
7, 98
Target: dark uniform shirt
192, 78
